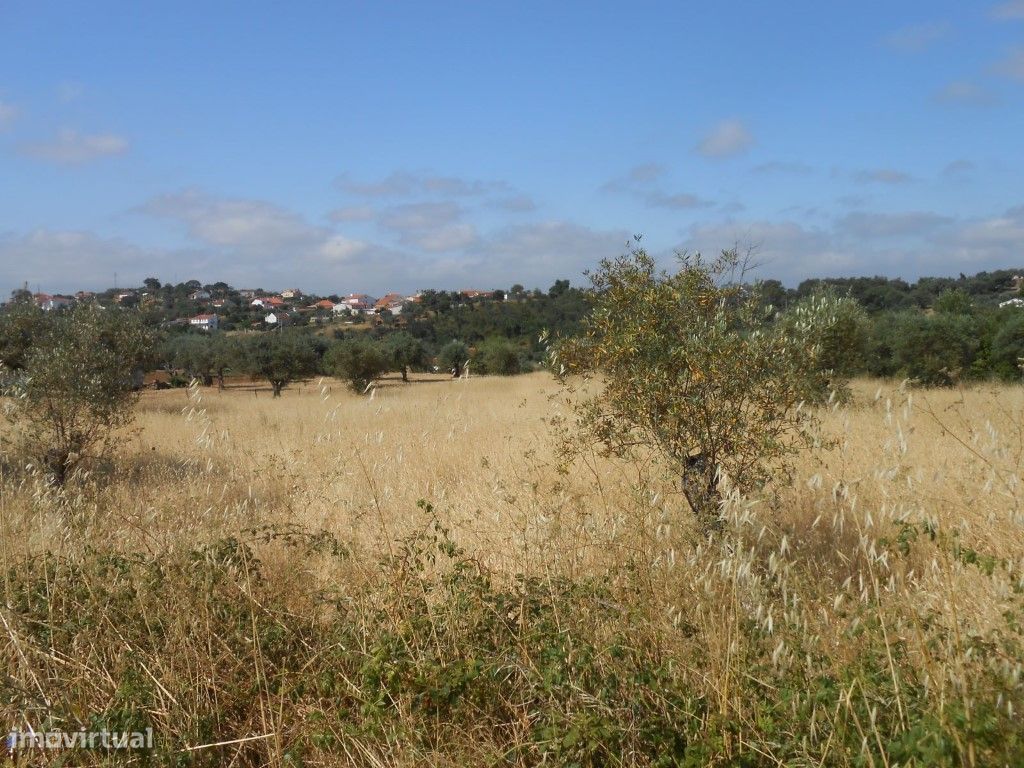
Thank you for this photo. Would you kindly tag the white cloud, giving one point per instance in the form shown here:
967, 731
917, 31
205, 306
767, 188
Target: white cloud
516, 204
729, 137
1012, 65
352, 213
637, 176
965, 92
1014, 9
882, 176
917, 38
70, 91
447, 238
783, 166
958, 169
862, 224
8, 114
419, 216
907, 244
532, 254
1002, 233
430, 226
409, 184
56, 261
640, 180
679, 201
70, 147
339, 248
235, 222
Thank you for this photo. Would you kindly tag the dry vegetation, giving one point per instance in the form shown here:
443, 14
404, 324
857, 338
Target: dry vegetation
262, 568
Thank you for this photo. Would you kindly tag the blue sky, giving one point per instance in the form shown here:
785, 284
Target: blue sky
376, 146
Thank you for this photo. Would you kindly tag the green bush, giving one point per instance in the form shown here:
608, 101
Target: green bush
453, 357
498, 357
358, 361
1008, 345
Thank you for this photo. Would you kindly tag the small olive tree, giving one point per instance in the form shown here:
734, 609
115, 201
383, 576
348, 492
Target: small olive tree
405, 351
203, 356
832, 331
682, 362
75, 385
280, 357
499, 357
359, 361
454, 357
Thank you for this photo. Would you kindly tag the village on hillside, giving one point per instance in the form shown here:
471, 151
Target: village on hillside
221, 307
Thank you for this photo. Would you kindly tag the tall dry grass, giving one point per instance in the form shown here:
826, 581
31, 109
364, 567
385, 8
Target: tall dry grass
253, 567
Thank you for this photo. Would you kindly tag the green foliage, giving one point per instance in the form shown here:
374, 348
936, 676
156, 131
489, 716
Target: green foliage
934, 350
358, 361
76, 384
20, 322
834, 331
453, 356
425, 651
201, 355
499, 357
441, 317
1007, 351
280, 357
684, 366
954, 301
405, 351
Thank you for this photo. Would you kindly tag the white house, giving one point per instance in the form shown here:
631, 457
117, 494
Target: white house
270, 319
47, 302
291, 293
342, 309
360, 302
257, 303
205, 322
200, 296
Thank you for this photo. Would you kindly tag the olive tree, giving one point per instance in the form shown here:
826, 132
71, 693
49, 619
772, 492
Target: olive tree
454, 356
358, 361
681, 362
20, 324
191, 353
832, 331
76, 385
203, 356
405, 351
499, 357
280, 357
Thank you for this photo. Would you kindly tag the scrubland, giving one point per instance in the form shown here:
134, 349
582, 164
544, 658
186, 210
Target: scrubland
415, 578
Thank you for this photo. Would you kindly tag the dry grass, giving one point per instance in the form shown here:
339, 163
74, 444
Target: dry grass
868, 613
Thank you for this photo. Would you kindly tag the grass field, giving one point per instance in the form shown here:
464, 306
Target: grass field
412, 578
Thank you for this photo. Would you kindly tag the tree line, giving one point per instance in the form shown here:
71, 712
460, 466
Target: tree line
70, 376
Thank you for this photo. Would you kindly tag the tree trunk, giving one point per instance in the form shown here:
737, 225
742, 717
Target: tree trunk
405, 374
700, 486
220, 380
58, 462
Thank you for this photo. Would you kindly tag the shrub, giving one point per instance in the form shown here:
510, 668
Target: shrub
358, 361
454, 356
1007, 345
77, 385
833, 330
935, 350
405, 351
499, 357
684, 366
280, 357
